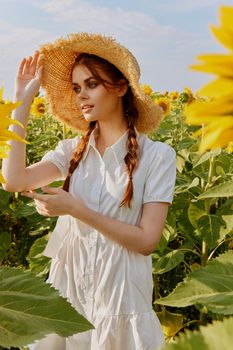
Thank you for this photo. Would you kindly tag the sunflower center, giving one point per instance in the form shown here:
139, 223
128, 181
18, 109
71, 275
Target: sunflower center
41, 108
164, 105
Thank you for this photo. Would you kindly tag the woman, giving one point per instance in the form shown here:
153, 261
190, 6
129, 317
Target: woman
117, 190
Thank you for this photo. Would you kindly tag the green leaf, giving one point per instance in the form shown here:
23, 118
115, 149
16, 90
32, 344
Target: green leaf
31, 308
195, 211
211, 286
181, 201
185, 143
167, 262
187, 186
225, 161
5, 243
215, 336
169, 232
227, 216
39, 263
209, 229
24, 209
185, 226
223, 190
171, 322
4, 199
180, 163
206, 156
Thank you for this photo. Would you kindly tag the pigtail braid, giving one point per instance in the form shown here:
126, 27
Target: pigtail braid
131, 161
77, 155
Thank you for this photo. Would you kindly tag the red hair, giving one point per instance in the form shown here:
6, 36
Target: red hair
95, 64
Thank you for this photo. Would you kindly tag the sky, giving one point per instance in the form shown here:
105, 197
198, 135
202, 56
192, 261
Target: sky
164, 35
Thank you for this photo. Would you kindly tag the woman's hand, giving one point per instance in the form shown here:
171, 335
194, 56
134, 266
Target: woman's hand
28, 79
57, 202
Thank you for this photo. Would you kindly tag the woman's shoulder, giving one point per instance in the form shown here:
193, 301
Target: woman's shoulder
153, 149
69, 144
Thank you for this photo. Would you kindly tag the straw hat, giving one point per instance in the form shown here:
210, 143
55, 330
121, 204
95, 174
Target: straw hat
58, 59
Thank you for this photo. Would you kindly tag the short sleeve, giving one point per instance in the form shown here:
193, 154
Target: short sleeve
161, 176
61, 155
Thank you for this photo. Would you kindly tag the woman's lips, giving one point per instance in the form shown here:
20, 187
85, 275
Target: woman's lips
87, 108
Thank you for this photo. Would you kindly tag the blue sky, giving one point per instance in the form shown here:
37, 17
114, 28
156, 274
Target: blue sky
164, 35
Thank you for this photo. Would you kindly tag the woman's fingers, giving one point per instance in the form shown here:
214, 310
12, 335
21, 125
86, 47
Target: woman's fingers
39, 72
28, 65
34, 63
21, 67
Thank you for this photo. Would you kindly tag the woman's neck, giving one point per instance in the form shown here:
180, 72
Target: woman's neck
108, 134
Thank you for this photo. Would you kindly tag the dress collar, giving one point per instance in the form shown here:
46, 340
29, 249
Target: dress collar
119, 148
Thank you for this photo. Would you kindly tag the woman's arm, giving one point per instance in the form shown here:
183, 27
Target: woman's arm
142, 239
19, 177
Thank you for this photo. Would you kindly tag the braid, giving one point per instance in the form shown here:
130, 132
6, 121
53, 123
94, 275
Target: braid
132, 157
77, 156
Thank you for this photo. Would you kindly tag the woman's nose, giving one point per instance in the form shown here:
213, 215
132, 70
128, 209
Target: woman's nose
83, 94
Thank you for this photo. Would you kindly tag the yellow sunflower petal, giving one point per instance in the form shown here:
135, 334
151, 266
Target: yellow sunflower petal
2, 180
229, 147
164, 103
217, 88
217, 138
38, 107
1, 93
10, 135
223, 36
218, 64
216, 58
7, 108
146, 89
223, 123
224, 33
216, 107
5, 122
4, 148
226, 17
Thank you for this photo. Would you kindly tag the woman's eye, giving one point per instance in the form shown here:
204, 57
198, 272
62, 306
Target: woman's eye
76, 89
92, 85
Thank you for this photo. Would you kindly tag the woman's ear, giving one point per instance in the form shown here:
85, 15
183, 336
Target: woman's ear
123, 87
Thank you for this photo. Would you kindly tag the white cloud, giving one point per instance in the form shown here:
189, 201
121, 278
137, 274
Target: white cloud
185, 6
15, 44
163, 51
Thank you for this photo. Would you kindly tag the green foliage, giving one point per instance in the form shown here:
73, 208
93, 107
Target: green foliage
4, 244
23, 234
197, 237
213, 337
30, 309
199, 228
39, 263
210, 286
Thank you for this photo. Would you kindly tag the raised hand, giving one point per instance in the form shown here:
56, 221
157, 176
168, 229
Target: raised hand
28, 79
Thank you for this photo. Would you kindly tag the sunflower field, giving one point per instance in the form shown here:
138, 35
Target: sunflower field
193, 263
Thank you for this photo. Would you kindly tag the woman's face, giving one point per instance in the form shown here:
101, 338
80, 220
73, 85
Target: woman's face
95, 101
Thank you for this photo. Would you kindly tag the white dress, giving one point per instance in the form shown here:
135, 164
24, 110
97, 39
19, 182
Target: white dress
108, 284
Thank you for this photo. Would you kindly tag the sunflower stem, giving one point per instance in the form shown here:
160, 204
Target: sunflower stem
63, 131
156, 291
204, 257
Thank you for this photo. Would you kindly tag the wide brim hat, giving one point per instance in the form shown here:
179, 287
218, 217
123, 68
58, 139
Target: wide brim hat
58, 60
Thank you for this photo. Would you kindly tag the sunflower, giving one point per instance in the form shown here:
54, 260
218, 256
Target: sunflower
38, 107
5, 122
2, 101
164, 103
174, 95
216, 112
146, 89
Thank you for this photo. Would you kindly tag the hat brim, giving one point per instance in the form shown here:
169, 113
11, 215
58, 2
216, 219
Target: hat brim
58, 60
